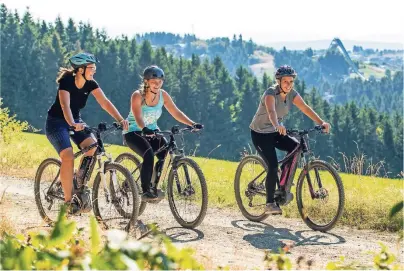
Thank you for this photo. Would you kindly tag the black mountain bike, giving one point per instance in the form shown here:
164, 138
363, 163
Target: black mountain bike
186, 186
114, 198
319, 190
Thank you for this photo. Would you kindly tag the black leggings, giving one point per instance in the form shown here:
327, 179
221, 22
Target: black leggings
146, 147
265, 145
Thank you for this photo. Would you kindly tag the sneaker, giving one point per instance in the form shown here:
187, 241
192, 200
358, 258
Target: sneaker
273, 209
72, 208
158, 192
149, 196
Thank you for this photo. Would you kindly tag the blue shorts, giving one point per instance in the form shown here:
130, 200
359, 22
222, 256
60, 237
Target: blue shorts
57, 132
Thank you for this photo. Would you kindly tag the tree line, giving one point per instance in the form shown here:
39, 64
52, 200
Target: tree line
32, 51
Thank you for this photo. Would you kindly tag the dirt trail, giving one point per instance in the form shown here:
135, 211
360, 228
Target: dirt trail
225, 237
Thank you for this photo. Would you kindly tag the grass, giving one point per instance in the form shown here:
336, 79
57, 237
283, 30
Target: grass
367, 205
5, 221
266, 64
369, 70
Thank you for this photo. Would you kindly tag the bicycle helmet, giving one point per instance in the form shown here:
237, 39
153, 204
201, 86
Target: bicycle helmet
82, 59
285, 70
153, 72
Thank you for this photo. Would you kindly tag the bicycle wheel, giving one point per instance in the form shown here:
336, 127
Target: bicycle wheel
320, 196
49, 196
187, 193
249, 187
131, 162
115, 201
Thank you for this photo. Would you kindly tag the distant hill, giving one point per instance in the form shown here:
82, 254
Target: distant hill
323, 44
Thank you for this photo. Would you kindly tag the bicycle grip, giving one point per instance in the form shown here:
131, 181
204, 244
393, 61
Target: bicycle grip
71, 130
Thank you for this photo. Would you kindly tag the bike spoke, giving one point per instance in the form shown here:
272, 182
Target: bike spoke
320, 196
115, 202
50, 190
252, 187
187, 193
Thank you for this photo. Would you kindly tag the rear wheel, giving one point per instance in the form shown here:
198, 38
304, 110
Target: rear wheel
49, 196
249, 187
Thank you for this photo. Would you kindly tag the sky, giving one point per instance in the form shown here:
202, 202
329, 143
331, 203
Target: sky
264, 21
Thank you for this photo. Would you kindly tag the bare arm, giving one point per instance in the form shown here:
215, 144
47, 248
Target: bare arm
174, 111
64, 98
106, 104
270, 106
136, 108
306, 109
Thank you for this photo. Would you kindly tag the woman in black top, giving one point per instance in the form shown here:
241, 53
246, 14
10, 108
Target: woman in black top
75, 85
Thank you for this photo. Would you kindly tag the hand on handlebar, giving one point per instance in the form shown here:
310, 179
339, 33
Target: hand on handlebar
281, 129
125, 124
79, 126
326, 127
148, 132
197, 126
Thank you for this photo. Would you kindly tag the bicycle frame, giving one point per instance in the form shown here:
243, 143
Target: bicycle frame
96, 157
173, 151
289, 165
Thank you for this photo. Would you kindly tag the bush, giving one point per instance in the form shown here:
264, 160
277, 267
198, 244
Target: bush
62, 249
10, 128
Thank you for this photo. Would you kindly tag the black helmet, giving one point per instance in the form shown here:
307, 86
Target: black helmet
285, 70
153, 72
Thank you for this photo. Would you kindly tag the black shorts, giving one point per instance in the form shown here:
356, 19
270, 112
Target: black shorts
57, 132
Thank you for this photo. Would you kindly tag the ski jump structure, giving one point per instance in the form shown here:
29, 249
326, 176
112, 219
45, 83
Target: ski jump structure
337, 43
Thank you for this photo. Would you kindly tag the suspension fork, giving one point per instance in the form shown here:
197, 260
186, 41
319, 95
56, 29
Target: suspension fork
174, 160
101, 170
306, 173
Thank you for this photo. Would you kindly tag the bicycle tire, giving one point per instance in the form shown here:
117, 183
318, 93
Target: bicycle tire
341, 195
130, 216
239, 200
131, 157
37, 187
202, 213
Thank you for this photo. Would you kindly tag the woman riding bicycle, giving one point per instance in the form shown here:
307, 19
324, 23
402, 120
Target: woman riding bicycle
146, 109
75, 85
268, 131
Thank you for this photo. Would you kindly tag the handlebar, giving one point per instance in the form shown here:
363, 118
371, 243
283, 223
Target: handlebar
101, 128
175, 130
305, 131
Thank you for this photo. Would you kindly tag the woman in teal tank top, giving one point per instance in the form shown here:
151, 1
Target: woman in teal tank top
146, 108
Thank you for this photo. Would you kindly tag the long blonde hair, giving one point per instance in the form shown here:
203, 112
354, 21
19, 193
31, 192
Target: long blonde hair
63, 72
142, 89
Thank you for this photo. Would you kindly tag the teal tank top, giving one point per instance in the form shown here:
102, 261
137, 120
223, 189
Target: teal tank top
150, 116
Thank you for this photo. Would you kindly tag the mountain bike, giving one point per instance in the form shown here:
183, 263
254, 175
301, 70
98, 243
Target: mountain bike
114, 198
319, 190
187, 192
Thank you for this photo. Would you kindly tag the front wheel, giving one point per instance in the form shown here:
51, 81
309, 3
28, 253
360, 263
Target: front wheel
115, 198
187, 193
320, 196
